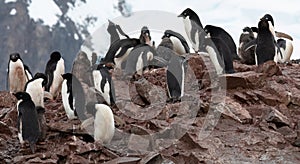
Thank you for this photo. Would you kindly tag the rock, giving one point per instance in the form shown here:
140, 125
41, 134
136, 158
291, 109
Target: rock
150, 93
269, 68
295, 96
288, 133
124, 160
234, 110
277, 118
77, 159
245, 80
238, 67
4, 130
274, 88
7, 100
152, 158
267, 98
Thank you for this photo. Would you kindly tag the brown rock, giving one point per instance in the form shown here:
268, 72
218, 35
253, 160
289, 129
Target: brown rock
124, 160
277, 118
269, 68
295, 96
152, 158
7, 100
4, 130
150, 93
244, 80
267, 98
238, 67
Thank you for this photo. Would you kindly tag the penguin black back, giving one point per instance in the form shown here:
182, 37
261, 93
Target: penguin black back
169, 33
50, 68
28, 124
218, 32
76, 97
265, 49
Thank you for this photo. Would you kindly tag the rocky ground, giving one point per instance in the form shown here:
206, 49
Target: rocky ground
252, 116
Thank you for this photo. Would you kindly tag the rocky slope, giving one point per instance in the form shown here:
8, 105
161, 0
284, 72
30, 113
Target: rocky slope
254, 117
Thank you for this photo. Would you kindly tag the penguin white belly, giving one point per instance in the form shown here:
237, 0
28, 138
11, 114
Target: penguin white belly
286, 53
182, 82
139, 64
20, 125
104, 124
17, 77
214, 59
65, 98
178, 47
57, 79
120, 60
35, 90
106, 92
97, 83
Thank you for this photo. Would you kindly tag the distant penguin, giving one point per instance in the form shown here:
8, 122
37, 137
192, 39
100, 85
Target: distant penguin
35, 88
28, 125
104, 126
286, 48
218, 32
73, 97
119, 51
265, 44
145, 37
115, 31
164, 52
104, 84
54, 69
138, 59
175, 78
193, 28
16, 75
247, 57
180, 46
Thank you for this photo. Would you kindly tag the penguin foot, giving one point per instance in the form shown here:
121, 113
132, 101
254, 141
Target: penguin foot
32, 147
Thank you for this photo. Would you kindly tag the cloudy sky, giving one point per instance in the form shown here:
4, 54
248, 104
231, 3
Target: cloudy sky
232, 15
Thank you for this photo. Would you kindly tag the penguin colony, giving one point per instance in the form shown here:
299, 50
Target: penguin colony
134, 55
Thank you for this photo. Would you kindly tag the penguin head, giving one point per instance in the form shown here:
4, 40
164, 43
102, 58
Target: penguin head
67, 76
268, 17
42, 76
263, 24
14, 57
55, 56
187, 13
145, 37
22, 95
247, 29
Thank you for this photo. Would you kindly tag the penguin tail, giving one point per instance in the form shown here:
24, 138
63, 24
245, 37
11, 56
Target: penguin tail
32, 147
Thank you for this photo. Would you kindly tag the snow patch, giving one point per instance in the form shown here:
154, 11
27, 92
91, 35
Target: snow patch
45, 10
13, 11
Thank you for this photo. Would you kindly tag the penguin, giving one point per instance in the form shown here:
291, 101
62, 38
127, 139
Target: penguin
145, 37
35, 88
286, 48
27, 72
104, 84
16, 75
247, 57
73, 97
119, 51
218, 32
175, 78
54, 69
193, 27
104, 126
180, 46
217, 50
115, 32
197, 36
138, 59
265, 44
42, 122
27, 124
164, 51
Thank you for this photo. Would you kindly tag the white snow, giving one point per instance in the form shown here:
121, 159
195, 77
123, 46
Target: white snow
7, 1
13, 11
45, 10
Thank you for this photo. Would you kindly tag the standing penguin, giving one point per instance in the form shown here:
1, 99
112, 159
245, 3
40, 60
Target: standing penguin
104, 84
175, 77
73, 97
35, 88
54, 69
28, 125
104, 126
16, 75
145, 37
247, 57
119, 51
180, 46
115, 32
139, 59
286, 48
193, 27
197, 36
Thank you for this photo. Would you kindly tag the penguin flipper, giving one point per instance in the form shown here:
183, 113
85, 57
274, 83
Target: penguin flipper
283, 35
278, 49
121, 31
250, 44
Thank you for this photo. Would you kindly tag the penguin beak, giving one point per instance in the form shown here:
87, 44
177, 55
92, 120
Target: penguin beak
180, 16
